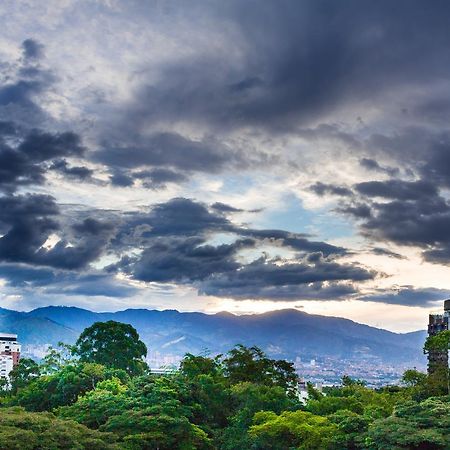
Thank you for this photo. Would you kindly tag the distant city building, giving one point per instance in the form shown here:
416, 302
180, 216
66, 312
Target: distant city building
436, 324
302, 390
9, 353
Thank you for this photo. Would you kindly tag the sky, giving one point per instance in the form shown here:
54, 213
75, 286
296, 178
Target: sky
242, 155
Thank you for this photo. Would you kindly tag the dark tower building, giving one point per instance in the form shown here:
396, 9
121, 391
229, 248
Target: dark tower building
436, 324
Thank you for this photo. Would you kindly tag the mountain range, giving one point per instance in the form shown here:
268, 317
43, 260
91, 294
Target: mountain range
289, 333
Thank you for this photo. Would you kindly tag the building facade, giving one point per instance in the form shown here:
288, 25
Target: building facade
9, 353
436, 324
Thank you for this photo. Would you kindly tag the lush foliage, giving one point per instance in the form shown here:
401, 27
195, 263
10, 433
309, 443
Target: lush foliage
112, 344
21, 430
93, 399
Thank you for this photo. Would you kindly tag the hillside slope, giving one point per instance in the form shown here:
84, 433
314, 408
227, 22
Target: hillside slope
284, 334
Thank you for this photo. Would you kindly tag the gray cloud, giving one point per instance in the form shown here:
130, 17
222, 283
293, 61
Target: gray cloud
371, 164
32, 49
80, 173
290, 73
385, 252
410, 296
174, 238
26, 162
293, 281
47, 280
169, 150
323, 189
397, 189
28, 221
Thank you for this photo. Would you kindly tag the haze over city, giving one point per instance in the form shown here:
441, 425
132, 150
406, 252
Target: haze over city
238, 156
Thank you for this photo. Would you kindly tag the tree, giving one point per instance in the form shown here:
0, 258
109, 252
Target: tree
416, 426
21, 430
347, 381
26, 371
329, 405
413, 378
248, 399
152, 428
298, 429
57, 358
251, 364
112, 344
192, 366
352, 426
61, 388
438, 344
93, 409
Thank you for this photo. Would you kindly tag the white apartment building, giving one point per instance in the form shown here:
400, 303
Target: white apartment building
9, 353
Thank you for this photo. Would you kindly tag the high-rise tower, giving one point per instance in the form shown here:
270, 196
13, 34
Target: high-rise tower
436, 324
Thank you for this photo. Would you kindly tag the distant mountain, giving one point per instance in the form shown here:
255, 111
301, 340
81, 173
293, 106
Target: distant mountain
35, 330
283, 334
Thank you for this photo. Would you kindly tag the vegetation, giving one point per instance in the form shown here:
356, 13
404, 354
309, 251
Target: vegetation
112, 344
96, 396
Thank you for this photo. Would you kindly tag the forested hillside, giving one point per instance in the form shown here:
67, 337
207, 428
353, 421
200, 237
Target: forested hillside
99, 394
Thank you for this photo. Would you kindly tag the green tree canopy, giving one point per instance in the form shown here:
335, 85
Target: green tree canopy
298, 429
21, 430
112, 344
414, 426
251, 364
26, 371
63, 387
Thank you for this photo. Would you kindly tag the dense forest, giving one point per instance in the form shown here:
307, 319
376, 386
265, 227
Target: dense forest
99, 394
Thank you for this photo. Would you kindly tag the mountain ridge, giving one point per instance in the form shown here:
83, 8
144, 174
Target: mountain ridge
288, 333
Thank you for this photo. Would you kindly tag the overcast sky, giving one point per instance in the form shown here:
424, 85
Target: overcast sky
240, 155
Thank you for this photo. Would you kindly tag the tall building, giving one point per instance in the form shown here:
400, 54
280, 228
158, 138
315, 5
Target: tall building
436, 324
9, 353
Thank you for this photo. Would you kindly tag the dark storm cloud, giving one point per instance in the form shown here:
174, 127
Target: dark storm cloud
180, 216
437, 166
414, 214
22, 86
27, 151
169, 150
25, 163
294, 241
224, 208
185, 217
184, 259
397, 189
121, 179
32, 49
8, 129
176, 241
85, 243
21, 92
371, 164
27, 221
385, 252
409, 296
290, 73
263, 279
422, 222
158, 178
330, 189
52, 281
357, 210
285, 76
81, 173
